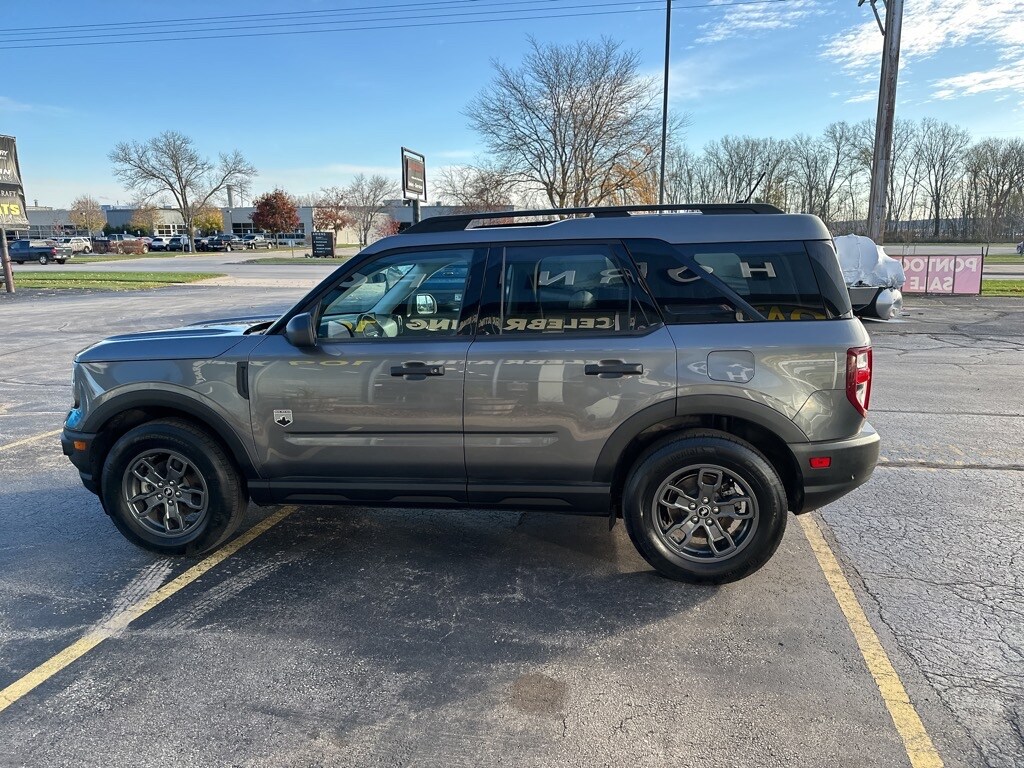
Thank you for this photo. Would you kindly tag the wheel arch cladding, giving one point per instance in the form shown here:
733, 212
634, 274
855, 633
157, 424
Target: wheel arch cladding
120, 414
765, 429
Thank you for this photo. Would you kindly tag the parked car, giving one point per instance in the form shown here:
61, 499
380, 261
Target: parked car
122, 243
254, 242
696, 374
1020, 248
202, 243
178, 243
225, 243
74, 245
158, 244
34, 250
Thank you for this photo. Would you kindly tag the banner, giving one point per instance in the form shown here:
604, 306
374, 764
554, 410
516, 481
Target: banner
12, 195
946, 275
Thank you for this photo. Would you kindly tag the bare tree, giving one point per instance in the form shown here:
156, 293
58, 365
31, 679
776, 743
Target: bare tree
941, 148
86, 213
170, 163
330, 211
996, 168
577, 121
480, 187
367, 197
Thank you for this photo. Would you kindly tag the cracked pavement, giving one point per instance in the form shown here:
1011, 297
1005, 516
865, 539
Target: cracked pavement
392, 637
937, 536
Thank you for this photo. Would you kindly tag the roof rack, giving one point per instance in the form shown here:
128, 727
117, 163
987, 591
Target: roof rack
461, 221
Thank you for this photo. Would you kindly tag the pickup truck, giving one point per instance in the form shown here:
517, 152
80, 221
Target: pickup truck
34, 250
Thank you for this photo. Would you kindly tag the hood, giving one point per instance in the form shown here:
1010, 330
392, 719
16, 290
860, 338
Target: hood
202, 341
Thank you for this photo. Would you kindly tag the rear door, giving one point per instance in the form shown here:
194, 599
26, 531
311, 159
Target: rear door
569, 346
374, 411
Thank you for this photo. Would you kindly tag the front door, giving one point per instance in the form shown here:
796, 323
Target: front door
374, 411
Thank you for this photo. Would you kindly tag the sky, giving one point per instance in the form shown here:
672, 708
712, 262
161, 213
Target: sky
311, 110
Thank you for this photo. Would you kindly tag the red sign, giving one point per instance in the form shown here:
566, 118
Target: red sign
945, 275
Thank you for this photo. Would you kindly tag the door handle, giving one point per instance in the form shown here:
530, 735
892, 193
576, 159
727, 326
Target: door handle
417, 371
613, 369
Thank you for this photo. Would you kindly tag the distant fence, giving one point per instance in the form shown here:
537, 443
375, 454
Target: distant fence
943, 275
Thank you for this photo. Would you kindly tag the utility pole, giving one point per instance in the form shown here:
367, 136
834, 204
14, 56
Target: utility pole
664, 101
5, 257
891, 30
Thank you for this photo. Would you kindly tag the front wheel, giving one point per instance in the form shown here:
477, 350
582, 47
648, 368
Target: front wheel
62, 261
704, 508
170, 488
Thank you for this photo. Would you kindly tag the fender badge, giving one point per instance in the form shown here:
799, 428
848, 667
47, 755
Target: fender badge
283, 418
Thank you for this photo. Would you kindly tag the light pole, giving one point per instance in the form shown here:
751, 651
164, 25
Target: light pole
664, 101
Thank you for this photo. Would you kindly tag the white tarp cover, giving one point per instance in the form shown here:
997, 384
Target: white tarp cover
864, 263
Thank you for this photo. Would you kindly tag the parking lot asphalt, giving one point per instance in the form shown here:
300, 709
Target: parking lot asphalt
419, 637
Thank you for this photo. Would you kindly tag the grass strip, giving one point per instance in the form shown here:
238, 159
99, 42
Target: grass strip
1002, 288
107, 281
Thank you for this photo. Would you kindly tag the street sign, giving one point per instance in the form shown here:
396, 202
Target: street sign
414, 175
323, 245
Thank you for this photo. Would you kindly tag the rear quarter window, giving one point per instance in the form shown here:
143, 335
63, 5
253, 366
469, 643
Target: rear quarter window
779, 279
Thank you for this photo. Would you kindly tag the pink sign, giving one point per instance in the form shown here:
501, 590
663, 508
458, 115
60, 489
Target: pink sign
942, 274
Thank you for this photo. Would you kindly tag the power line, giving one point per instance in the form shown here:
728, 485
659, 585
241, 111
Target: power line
422, 22
283, 13
367, 17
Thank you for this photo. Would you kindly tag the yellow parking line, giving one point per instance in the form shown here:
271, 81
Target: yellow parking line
119, 621
27, 440
908, 723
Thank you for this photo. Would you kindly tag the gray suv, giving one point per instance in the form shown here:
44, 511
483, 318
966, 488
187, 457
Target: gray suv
697, 374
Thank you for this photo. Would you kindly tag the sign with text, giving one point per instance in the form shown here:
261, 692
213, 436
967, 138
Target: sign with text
12, 194
945, 275
323, 245
414, 175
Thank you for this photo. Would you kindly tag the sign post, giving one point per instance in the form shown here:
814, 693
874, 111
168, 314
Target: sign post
414, 180
12, 203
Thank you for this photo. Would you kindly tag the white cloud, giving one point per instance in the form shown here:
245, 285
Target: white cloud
934, 26
1006, 78
8, 105
867, 96
746, 20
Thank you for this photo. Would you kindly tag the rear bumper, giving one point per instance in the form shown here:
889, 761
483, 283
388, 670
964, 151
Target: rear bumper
82, 457
853, 461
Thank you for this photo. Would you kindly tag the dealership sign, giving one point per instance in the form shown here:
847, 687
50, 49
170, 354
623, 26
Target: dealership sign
414, 175
12, 195
944, 275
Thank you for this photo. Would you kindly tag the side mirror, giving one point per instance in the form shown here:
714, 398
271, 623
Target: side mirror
300, 332
425, 304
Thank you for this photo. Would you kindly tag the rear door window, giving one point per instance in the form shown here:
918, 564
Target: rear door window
564, 288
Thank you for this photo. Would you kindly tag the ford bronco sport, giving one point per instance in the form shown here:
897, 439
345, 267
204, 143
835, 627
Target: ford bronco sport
698, 374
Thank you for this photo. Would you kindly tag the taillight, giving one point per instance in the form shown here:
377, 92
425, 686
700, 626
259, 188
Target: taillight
53, 251
858, 378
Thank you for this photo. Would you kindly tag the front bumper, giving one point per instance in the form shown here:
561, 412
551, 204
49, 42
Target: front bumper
853, 461
80, 448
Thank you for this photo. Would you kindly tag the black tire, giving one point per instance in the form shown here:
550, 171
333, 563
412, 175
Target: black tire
737, 458
87, 251
62, 261
145, 249
225, 496
20, 262
44, 260
228, 249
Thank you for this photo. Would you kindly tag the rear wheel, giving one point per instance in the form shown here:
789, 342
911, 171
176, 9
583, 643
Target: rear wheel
61, 261
706, 508
170, 488
44, 260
